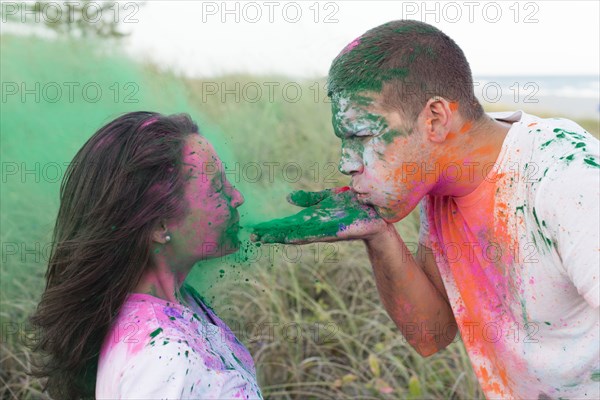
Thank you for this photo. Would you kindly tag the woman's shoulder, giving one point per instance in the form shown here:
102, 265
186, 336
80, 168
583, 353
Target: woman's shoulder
175, 370
145, 320
160, 342
146, 328
197, 296
158, 360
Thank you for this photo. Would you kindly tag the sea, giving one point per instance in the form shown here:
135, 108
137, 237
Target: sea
570, 96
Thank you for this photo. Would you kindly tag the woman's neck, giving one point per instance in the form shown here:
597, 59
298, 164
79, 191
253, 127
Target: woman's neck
164, 284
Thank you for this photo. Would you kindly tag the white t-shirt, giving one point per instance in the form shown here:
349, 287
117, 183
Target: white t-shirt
520, 261
161, 350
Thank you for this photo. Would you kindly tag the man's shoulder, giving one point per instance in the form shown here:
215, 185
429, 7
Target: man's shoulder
546, 144
536, 124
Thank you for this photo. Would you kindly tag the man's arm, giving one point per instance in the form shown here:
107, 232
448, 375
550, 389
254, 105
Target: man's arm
412, 292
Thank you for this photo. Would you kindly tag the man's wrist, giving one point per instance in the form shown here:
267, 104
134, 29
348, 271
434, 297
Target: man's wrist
389, 231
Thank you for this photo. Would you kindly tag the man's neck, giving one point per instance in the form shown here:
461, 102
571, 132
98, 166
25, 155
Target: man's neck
475, 151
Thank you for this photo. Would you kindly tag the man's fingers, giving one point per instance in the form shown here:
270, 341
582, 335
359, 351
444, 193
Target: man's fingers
295, 240
290, 234
302, 198
269, 237
272, 232
278, 237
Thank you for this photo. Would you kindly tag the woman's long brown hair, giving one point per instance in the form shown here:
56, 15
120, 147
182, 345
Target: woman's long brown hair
124, 180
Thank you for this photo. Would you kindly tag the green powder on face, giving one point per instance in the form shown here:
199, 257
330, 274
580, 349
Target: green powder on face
392, 134
360, 100
377, 124
596, 376
355, 122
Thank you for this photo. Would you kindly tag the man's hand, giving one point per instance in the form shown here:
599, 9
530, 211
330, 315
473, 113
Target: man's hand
329, 215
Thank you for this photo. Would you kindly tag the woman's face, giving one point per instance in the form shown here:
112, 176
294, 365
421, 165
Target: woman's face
211, 226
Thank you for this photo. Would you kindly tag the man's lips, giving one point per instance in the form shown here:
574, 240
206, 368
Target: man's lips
363, 198
359, 192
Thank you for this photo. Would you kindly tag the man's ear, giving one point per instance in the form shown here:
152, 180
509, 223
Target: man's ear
160, 232
435, 119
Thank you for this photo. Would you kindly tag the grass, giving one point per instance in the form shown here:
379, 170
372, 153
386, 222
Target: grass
312, 320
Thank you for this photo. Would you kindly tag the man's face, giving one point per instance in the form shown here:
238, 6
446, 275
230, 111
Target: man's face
382, 153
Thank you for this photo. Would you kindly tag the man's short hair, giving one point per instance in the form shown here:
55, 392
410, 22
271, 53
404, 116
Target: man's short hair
408, 62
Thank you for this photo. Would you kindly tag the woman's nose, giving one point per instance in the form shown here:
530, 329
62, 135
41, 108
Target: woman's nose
237, 199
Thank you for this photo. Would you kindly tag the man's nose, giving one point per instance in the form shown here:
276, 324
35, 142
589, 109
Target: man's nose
350, 163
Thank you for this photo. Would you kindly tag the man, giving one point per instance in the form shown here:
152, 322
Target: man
508, 250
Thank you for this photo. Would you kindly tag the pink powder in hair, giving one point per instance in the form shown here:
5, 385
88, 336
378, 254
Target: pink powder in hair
352, 45
151, 120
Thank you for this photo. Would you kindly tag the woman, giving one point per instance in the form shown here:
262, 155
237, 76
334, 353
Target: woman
143, 200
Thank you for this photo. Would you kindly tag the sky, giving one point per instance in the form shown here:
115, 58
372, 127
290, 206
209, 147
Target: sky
207, 38
301, 38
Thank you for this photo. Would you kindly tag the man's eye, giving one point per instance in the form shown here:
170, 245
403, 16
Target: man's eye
361, 135
360, 139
